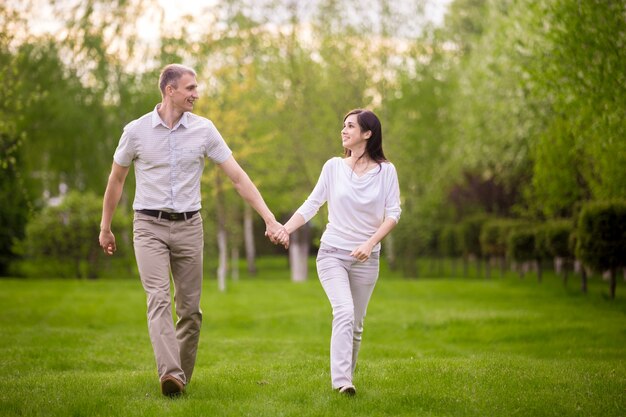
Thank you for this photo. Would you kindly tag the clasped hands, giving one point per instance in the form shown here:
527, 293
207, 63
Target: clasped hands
277, 234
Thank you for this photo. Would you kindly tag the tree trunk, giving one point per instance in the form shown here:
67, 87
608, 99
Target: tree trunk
234, 263
613, 282
583, 275
248, 236
538, 269
299, 245
409, 264
560, 267
222, 266
93, 264
502, 266
222, 246
488, 268
465, 266
78, 272
433, 266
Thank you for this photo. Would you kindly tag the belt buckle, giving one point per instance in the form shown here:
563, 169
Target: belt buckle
173, 216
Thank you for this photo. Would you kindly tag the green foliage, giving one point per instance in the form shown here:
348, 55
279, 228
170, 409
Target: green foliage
556, 238
494, 236
521, 245
66, 126
14, 212
449, 240
601, 235
541, 241
556, 183
580, 77
432, 246
14, 195
470, 231
410, 241
527, 96
67, 235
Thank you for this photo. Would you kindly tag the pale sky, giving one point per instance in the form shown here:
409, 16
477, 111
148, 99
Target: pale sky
44, 21
435, 9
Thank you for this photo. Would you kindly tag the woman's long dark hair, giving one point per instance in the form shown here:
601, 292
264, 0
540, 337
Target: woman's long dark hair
367, 120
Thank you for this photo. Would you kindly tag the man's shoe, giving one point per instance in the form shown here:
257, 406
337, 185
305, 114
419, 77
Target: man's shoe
171, 386
347, 390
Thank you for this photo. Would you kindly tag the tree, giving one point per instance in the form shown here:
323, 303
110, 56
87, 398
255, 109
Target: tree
601, 238
521, 248
557, 235
15, 207
450, 244
469, 237
578, 73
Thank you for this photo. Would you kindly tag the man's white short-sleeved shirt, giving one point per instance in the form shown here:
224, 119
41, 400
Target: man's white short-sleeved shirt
169, 163
357, 206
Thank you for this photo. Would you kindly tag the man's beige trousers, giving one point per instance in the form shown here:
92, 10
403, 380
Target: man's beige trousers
164, 246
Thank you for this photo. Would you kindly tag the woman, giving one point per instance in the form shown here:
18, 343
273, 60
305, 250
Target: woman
363, 207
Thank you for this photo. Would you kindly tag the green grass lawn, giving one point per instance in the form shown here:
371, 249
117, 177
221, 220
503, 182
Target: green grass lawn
432, 347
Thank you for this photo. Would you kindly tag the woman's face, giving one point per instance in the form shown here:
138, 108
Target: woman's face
351, 135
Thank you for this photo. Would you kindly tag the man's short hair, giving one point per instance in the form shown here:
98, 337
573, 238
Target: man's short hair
171, 74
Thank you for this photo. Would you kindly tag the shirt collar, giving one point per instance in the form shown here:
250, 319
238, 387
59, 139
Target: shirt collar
156, 119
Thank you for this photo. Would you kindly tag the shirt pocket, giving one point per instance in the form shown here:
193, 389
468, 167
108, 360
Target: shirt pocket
190, 159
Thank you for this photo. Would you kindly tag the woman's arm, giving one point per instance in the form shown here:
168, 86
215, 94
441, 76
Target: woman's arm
363, 252
392, 216
309, 208
295, 222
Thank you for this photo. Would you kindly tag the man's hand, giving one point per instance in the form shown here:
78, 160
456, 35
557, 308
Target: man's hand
107, 242
277, 234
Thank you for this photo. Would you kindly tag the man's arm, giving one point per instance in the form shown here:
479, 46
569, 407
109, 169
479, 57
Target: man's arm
248, 191
112, 195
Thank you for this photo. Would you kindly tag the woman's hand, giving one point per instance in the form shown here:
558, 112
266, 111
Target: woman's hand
363, 252
278, 235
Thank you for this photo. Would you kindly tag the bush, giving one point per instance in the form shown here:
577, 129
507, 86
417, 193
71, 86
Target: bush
494, 236
541, 241
432, 241
409, 244
601, 237
557, 238
14, 212
469, 231
66, 237
449, 242
521, 245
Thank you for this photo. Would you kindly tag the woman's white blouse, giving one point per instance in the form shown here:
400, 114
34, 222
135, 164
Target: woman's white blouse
357, 206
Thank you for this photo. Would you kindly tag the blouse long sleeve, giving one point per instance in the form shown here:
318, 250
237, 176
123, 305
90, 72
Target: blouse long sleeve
392, 199
317, 198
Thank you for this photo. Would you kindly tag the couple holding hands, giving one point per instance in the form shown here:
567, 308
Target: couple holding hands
168, 147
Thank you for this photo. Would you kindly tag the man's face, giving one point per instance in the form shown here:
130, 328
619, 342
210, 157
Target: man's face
185, 93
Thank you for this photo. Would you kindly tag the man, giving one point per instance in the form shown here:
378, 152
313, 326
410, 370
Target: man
168, 147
